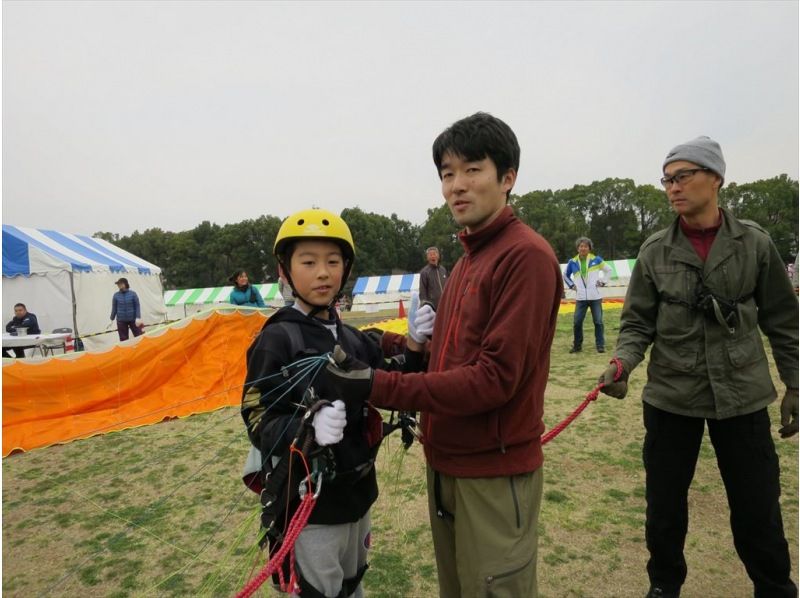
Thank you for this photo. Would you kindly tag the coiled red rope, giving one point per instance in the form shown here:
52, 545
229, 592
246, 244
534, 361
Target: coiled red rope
275, 564
296, 525
556, 430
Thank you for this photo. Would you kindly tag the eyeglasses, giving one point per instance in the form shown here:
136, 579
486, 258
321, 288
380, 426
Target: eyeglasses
681, 176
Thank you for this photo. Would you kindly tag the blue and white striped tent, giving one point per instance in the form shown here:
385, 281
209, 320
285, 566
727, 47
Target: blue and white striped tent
402, 283
68, 280
374, 293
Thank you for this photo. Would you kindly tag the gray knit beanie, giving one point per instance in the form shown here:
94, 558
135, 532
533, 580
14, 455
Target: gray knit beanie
702, 151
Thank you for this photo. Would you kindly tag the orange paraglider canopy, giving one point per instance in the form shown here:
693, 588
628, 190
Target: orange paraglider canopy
194, 366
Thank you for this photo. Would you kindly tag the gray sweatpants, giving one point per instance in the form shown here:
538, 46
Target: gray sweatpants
328, 554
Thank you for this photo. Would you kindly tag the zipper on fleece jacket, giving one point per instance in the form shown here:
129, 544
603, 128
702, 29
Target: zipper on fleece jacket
456, 314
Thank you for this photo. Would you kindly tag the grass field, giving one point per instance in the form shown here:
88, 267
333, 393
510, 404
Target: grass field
160, 510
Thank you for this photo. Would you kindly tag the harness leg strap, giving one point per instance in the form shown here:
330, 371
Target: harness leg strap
349, 585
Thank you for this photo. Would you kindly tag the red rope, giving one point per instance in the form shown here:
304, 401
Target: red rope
296, 525
556, 430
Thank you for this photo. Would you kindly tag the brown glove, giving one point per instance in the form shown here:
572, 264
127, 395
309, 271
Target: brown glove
614, 388
789, 413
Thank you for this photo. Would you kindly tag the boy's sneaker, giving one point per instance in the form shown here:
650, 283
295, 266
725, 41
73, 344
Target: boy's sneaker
656, 592
575, 350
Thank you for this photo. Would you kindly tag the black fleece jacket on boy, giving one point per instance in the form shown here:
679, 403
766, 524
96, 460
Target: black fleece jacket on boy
347, 497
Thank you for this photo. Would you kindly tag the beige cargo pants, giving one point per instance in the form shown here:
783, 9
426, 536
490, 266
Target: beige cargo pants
484, 534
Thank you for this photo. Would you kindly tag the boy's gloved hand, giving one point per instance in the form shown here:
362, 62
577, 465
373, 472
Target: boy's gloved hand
614, 388
789, 413
329, 423
375, 334
420, 320
350, 378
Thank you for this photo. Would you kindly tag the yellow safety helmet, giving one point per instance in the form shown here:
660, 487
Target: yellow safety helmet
316, 224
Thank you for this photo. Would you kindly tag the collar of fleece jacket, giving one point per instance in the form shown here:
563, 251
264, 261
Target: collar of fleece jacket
473, 242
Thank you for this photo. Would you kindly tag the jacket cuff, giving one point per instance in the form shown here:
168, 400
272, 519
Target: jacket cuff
415, 360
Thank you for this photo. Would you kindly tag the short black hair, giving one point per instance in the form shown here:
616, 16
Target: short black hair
477, 137
22, 305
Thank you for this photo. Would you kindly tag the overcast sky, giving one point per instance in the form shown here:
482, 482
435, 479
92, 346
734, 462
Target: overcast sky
130, 115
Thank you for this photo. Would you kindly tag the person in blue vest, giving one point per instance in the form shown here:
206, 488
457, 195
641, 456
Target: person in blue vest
126, 309
243, 292
583, 276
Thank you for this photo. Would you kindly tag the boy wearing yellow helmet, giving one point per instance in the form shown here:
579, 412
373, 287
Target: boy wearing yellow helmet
315, 253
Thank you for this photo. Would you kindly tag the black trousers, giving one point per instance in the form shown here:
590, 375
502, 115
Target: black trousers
749, 467
19, 352
122, 329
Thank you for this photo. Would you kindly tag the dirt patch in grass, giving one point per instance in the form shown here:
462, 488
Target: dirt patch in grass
161, 511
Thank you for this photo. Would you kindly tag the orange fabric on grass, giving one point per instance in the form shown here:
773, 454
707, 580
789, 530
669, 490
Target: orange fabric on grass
181, 370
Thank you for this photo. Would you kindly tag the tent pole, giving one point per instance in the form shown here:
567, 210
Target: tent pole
74, 304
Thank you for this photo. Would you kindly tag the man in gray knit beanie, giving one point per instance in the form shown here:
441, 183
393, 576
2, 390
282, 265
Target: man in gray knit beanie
702, 293
702, 151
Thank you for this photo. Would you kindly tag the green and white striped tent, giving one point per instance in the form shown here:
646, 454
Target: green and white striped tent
184, 302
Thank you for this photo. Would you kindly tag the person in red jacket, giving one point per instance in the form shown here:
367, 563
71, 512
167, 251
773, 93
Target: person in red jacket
482, 397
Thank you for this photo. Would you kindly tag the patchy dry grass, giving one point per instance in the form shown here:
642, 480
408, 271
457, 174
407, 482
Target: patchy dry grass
160, 510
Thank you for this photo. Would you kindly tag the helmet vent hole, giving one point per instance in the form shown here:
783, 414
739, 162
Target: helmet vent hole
325, 222
301, 222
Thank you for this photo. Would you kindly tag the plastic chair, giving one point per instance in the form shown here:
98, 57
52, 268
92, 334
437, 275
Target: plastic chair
49, 347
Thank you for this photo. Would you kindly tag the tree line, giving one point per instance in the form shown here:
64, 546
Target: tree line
616, 214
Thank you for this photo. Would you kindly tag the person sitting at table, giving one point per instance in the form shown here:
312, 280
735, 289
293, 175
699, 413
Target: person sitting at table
22, 319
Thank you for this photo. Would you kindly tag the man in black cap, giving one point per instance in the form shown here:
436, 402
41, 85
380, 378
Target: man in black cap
699, 293
125, 308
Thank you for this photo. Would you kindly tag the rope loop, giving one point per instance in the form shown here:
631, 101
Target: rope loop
591, 396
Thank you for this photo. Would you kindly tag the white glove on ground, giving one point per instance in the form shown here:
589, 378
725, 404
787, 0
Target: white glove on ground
329, 423
420, 321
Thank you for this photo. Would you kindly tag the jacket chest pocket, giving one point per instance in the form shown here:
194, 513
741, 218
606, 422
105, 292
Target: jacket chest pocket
678, 285
732, 280
677, 281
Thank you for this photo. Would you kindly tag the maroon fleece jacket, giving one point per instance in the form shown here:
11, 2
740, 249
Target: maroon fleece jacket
483, 394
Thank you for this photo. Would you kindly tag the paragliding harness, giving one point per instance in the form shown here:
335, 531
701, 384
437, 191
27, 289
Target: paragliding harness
719, 309
279, 491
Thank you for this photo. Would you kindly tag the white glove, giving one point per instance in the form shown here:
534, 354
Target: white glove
139, 322
420, 321
329, 423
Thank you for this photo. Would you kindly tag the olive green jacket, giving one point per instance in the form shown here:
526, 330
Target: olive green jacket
702, 365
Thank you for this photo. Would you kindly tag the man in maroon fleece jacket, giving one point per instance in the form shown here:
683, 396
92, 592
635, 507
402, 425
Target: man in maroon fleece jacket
482, 396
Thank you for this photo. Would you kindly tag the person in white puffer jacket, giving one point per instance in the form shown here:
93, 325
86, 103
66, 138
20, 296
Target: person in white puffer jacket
583, 276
